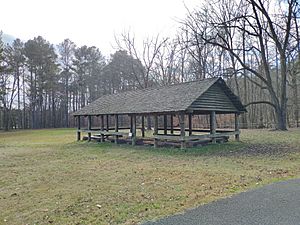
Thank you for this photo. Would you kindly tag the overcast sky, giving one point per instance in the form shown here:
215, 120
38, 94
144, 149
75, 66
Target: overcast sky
91, 22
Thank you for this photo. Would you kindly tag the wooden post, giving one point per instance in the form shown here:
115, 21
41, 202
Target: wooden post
172, 125
116, 128
143, 126
78, 131
107, 122
165, 125
190, 124
89, 128
236, 126
102, 127
155, 129
182, 130
131, 124
133, 137
213, 125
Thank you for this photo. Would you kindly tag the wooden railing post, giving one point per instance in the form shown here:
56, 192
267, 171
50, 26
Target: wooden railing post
155, 130
102, 127
236, 126
78, 130
190, 124
182, 130
116, 128
165, 125
107, 122
89, 128
213, 125
172, 125
143, 126
133, 137
131, 124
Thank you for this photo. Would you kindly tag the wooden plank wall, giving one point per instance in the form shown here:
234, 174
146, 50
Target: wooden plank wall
213, 99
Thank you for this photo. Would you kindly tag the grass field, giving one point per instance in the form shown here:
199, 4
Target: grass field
48, 178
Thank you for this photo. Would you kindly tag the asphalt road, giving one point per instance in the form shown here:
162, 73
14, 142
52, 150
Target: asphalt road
275, 204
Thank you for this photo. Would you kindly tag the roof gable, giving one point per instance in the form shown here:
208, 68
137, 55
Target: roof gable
213, 99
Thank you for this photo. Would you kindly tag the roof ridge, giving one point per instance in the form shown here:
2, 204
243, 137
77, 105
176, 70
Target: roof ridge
192, 81
160, 87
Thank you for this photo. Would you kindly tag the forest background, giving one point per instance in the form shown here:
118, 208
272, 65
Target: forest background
253, 45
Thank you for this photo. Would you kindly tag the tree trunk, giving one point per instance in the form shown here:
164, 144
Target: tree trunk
282, 112
19, 114
53, 110
245, 100
24, 102
281, 119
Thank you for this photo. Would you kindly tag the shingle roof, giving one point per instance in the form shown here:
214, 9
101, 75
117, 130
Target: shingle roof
173, 98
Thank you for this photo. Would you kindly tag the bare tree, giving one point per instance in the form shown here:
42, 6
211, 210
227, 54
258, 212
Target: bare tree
264, 27
66, 51
150, 49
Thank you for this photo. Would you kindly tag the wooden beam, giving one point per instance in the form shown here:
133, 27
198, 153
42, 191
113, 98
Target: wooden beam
102, 127
116, 128
155, 130
143, 126
182, 130
210, 122
213, 125
78, 131
172, 124
107, 122
196, 130
190, 124
194, 137
89, 127
133, 137
236, 126
165, 124
111, 133
131, 124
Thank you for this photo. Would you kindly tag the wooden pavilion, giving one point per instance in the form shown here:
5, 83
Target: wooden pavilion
203, 97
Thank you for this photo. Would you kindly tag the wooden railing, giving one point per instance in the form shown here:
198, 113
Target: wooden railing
194, 137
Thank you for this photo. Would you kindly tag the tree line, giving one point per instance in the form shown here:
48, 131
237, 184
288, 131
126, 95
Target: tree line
253, 44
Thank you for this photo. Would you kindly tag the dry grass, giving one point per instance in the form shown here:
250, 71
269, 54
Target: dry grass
47, 177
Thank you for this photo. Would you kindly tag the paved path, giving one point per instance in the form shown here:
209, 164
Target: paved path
275, 204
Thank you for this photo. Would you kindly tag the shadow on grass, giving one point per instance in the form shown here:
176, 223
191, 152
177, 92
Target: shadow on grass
207, 150
229, 149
